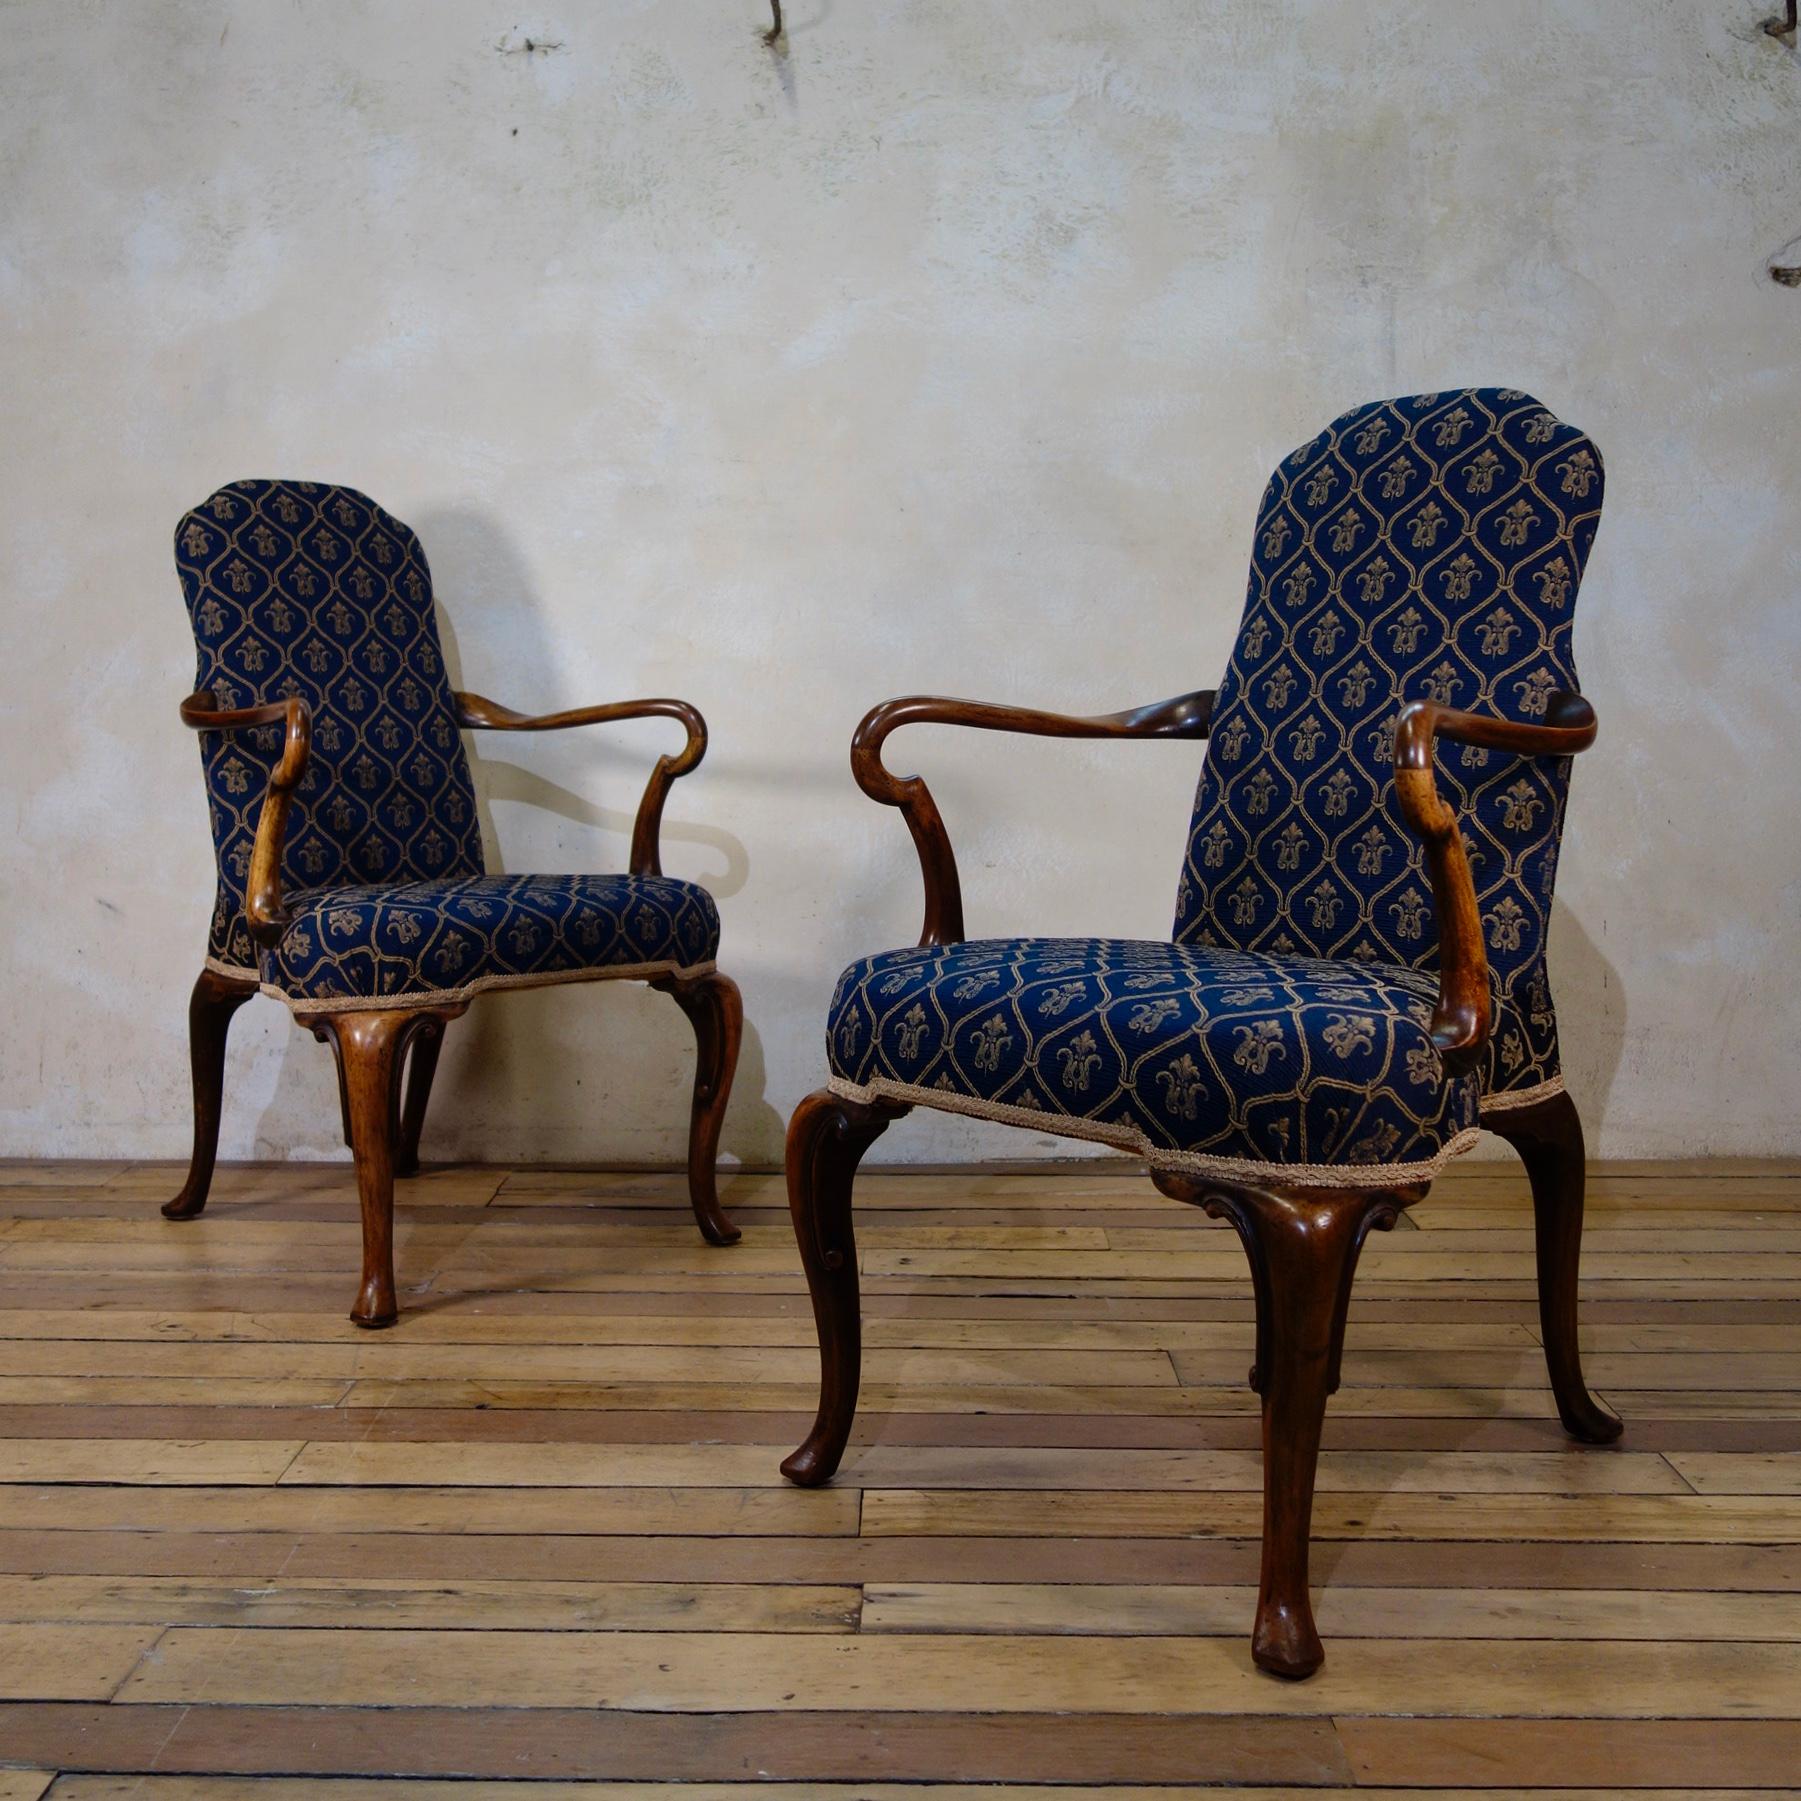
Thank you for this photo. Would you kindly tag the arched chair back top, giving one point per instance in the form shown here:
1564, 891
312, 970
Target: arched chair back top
1426, 548
310, 589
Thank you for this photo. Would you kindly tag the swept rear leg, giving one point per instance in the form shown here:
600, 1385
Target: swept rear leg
1548, 1137
210, 1008
421, 1066
716, 1012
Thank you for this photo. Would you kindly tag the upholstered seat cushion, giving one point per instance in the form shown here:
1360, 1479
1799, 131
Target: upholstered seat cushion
1200, 1058
368, 944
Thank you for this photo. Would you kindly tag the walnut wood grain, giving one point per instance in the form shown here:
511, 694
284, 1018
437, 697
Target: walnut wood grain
263, 910
1302, 1245
421, 1067
1186, 716
476, 713
1303, 1253
1463, 1016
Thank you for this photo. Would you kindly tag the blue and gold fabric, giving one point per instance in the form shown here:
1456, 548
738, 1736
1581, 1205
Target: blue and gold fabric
1426, 548
1420, 549
492, 931
309, 589
1193, 1056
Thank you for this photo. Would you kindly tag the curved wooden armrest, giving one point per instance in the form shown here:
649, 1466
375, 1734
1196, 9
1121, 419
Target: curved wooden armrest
1462, 1019
476, 712
1187, 716
263, 909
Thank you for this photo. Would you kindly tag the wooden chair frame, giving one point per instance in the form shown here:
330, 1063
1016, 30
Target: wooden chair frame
376, 1048
1302, 1242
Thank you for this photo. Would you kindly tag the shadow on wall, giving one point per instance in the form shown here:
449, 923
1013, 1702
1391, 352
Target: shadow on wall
503, 1059
514, 1064
302, 1114
1591, 1018
473, 558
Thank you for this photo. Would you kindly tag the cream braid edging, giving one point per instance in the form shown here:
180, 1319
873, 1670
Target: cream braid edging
1128, 1138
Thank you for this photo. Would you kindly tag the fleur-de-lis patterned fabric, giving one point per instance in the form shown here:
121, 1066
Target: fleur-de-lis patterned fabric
1422, 548
310, 589
379, 944
1198, 1058
1428, 548
302, 588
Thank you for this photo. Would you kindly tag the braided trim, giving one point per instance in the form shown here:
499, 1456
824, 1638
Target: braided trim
1129, 1138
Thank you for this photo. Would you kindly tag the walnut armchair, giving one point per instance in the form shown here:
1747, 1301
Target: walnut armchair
351, 879
1356, 980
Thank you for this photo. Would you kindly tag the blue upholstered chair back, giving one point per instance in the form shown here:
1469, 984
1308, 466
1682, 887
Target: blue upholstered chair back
1427, 548
301, 588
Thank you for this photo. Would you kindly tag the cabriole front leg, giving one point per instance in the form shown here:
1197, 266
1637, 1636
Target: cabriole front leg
826, 1140
371, 1048
210, 1008
1303, 1251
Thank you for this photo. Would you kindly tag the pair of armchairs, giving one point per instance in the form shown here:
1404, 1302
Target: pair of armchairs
1354, 985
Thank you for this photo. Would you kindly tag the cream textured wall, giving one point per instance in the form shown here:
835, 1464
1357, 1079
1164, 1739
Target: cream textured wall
948, 353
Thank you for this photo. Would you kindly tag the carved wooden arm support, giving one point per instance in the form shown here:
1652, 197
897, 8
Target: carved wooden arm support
1187, 716
263, 910
1461, 1020
475, 712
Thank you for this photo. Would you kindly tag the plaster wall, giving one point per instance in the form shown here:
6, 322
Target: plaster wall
948, 352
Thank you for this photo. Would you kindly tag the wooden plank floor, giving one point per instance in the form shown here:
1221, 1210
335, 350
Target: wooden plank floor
532, 1542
